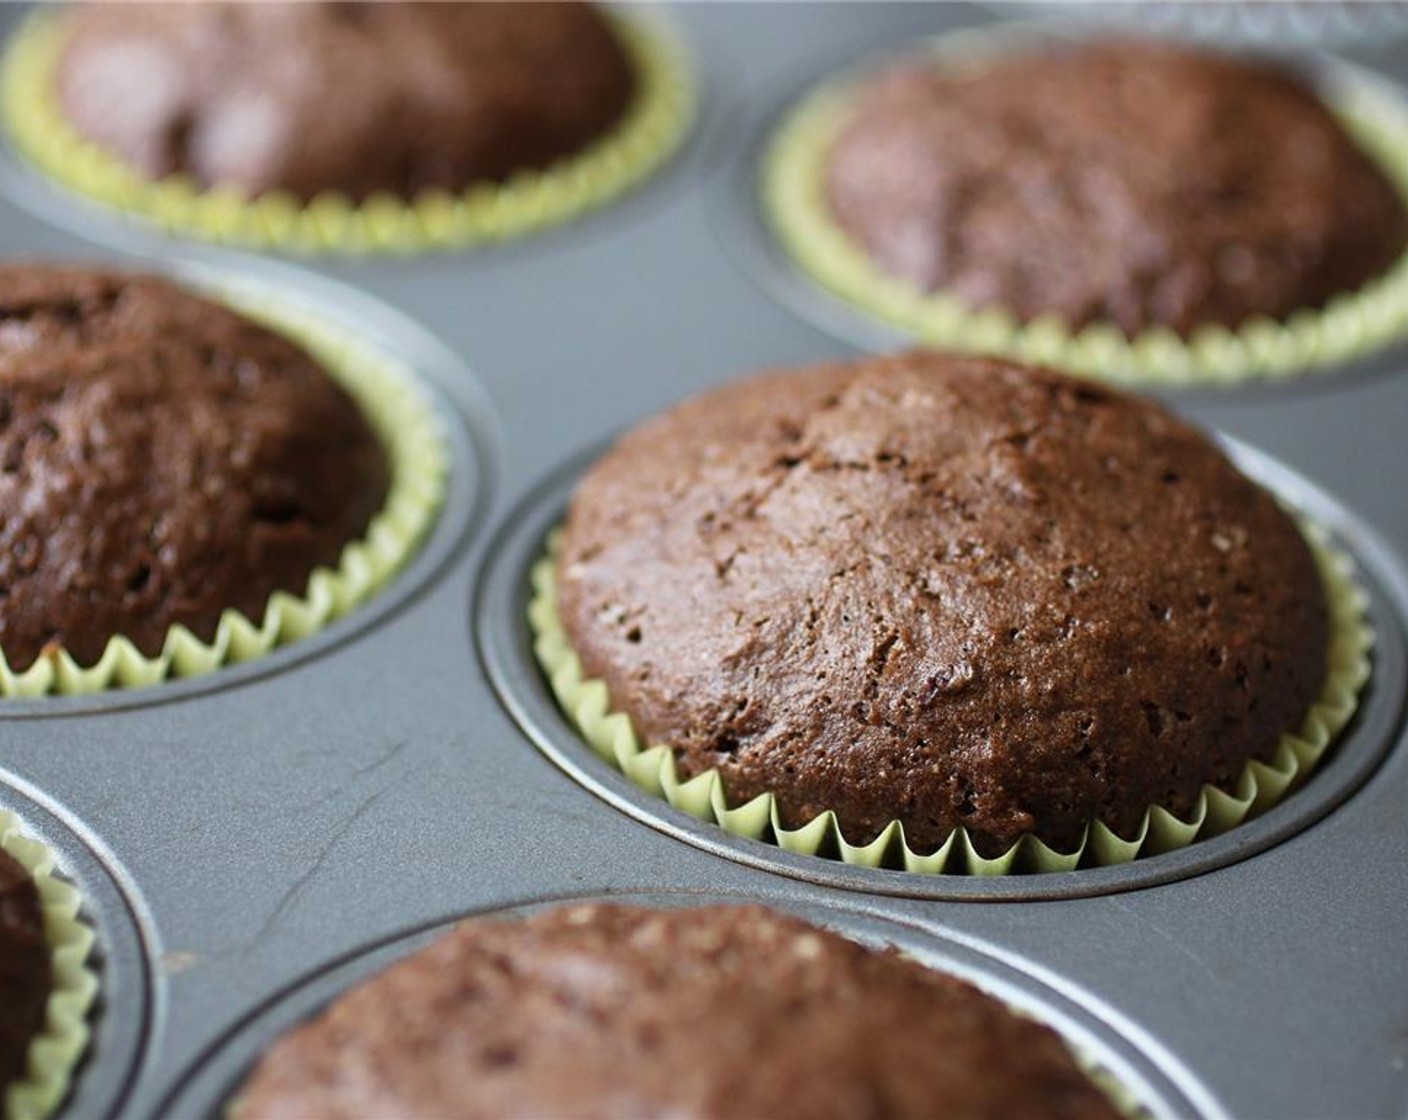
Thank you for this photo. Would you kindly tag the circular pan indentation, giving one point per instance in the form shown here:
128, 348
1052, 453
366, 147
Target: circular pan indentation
121, 1018
1163, 1087
467, 429
738, 212
506, 646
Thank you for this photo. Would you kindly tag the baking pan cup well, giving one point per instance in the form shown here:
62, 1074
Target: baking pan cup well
56, 1050
414, 434
823, 272
86, 1058
1232, 832
1103, 1042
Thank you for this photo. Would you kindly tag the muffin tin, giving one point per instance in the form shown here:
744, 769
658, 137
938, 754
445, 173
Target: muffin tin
252, 841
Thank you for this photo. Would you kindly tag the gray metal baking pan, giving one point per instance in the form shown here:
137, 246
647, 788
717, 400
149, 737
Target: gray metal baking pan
252, 842
1267, 23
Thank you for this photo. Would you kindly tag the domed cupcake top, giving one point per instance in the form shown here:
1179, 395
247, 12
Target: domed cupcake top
1131, 182
162, 459
606, 1010
352, 97
944, 590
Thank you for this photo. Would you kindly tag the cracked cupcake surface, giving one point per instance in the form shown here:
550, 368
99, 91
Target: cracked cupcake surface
719, 1012
352, 97
162, 460
948, 591
1129, 182
26, 970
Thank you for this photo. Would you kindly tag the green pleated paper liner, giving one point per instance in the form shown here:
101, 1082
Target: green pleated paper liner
60, 1046
1260, 785
403, 418
1349, 327
650, 131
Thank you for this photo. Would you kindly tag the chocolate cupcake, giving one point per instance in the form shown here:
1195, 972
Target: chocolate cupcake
351, 97
47, 984
346, 126
162, 460
181, 485
1128, 208
1130, 182
949, 592
607, 1010
26, 970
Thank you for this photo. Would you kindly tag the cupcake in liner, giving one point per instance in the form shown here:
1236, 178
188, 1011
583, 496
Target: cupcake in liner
651, 129
411, 435
1260, 786
304, 1069
57, 1050
1350, 326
